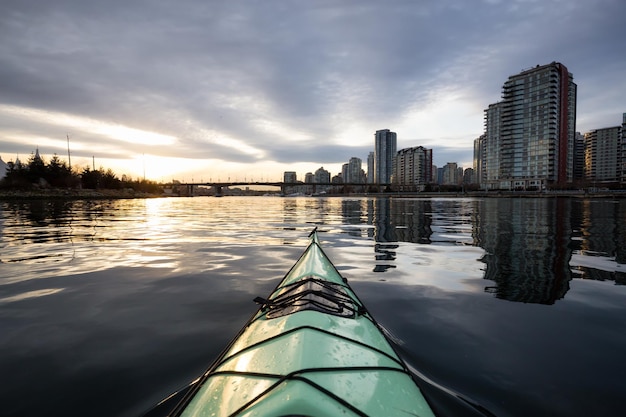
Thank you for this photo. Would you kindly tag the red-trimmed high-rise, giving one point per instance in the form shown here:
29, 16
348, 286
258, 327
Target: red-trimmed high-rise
536, 130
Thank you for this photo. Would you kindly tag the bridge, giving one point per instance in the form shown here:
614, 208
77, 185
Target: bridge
189, 187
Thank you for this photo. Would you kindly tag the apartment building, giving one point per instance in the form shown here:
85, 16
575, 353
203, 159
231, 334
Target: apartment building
530, 134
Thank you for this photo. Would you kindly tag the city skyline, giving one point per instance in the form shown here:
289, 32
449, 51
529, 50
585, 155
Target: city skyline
205, 89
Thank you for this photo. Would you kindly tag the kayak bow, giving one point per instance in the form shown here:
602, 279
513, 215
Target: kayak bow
312, 349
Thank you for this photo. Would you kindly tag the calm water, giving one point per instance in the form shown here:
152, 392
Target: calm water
517, 305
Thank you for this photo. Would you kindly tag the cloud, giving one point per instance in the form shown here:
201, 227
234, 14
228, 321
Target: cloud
287, 81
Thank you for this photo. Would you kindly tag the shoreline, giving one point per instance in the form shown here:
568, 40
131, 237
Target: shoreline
73, 194
105, 194
514, 194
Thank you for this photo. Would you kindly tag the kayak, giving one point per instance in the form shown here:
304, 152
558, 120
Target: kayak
312, 349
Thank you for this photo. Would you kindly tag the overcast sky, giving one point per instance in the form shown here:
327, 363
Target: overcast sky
249, 89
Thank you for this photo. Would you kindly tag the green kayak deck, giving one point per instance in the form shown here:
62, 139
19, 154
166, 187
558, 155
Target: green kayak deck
312, 349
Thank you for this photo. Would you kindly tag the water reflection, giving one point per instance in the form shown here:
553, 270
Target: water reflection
526, 241
599, 241
399, 220
533, 247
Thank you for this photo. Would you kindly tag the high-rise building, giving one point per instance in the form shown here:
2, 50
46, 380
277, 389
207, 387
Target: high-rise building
3, 168
450, 174
413, 166
479, 163
468, 176
492, 147
352, 171
623, 150
322, 176
290, 177
602, 159
370, 168
344, 172
384, 152
337, 179
579, 157
529, 137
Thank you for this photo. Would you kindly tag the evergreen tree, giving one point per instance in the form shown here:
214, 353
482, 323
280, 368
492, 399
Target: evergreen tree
90, 179
58, 173
36, 168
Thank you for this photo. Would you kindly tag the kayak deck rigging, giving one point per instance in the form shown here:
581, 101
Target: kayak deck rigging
299, 376
311, 293
312, 349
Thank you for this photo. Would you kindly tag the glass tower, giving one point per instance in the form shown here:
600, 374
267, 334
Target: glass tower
384, 153
530, 134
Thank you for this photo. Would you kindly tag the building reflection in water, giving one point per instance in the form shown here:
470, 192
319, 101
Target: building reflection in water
620, 252
600, 233
528, 242
527, 248
397, 220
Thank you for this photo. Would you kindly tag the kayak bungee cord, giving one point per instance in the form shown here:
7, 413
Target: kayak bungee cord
311, 349
328, 298
315, 329
296, 376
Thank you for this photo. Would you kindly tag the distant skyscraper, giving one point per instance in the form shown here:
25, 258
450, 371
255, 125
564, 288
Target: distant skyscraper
384, 152
530, 134
623, 150
354, 171
479, 163
322, 176
468, 176
290, 177
370, 168
492, 147
413, 166
579, 157
450, 174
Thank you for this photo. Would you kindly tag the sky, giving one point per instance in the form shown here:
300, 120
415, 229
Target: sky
204, 90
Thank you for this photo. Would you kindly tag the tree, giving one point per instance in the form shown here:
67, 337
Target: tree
15, 176
59, 174
36, 168
90, 179
109, 180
